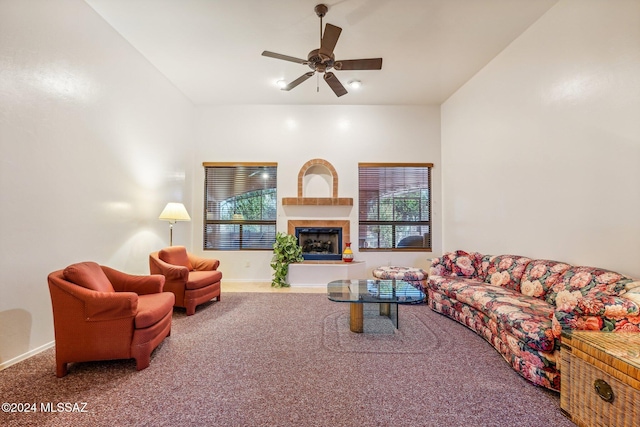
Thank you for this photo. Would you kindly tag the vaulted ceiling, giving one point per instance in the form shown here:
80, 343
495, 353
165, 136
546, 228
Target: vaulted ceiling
211, 49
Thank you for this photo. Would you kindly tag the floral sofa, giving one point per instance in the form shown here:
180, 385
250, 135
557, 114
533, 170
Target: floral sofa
521, 305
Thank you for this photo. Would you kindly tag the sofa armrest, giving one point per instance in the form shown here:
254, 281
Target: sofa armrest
608, 313
203, 264
456, 264
141, 285
439, 267
608, 306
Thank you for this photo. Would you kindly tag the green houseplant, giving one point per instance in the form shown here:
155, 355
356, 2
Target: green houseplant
286, 250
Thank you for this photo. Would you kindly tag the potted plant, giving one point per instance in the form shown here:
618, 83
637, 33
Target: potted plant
286, 250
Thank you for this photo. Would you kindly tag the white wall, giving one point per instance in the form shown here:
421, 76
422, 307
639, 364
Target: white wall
541, 149
94, 143
293, 135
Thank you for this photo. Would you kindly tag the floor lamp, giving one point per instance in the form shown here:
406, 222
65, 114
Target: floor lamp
174, 212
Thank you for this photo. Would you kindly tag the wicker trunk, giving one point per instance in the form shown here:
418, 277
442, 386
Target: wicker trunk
601, 378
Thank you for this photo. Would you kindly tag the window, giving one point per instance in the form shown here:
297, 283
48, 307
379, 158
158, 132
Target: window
239, 206
394, 206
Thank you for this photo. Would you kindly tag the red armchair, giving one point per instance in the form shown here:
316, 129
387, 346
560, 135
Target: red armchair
102, 314
192, 279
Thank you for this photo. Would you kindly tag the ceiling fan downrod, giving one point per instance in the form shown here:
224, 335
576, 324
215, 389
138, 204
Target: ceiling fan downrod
321, 11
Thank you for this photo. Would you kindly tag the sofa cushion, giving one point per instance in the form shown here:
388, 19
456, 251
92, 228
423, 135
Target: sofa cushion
88, 275
200, 279
460, 263
505, 270
175, 255
591, 282
152, 308
540, 275
528, 319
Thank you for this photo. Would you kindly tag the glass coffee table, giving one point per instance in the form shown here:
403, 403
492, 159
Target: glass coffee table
387, 293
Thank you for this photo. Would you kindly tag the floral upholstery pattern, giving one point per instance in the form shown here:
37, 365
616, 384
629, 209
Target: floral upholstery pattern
458, 263
416, 276
505, 270
520, 306
526, 318
538, 367
409, 274
540, 275
586, 281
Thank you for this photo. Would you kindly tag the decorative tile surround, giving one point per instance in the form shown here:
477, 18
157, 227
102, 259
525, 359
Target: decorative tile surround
334, 200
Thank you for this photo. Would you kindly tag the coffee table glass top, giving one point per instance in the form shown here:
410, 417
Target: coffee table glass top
373, 291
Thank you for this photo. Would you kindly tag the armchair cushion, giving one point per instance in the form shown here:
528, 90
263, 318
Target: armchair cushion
200, 279
88, 275
175, 255
152, 308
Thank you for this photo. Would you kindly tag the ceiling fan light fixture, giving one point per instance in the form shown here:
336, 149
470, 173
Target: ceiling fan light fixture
281, 83
355, 84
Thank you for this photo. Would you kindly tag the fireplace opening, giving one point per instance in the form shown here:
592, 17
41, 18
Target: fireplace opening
320, 243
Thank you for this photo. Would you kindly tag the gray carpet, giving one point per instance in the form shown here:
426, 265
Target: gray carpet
267, 359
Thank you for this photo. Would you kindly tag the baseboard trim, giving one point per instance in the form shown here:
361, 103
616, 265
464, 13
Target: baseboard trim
25, 356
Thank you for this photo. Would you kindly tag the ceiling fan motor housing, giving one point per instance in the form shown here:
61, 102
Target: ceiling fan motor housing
320, 63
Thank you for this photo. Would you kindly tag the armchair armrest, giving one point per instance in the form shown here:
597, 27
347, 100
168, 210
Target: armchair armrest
169, 271
101, 306
97, 306
141, 285
203, 264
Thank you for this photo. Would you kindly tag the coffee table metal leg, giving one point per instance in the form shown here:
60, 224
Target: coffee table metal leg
355, 318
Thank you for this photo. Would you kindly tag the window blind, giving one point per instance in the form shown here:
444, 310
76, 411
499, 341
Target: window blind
394, 206
240, 206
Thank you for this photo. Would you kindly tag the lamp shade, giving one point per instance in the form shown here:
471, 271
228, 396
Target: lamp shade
175, 212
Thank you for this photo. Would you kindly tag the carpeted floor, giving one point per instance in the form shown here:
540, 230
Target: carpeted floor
268, 359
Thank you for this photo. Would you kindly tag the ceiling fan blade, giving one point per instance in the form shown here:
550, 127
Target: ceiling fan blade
299, 80
284, 57
334, 84
329, 40
359, 64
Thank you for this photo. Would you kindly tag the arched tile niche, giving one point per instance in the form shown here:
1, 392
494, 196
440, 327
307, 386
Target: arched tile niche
318, 185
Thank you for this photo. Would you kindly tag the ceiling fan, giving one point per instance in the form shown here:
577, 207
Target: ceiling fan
322, 60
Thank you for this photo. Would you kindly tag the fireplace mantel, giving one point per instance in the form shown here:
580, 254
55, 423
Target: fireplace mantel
318, 201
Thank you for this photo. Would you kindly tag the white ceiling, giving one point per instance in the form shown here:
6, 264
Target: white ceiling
211, 49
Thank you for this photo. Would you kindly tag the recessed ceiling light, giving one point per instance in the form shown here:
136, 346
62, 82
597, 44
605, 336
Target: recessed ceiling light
355, 84
281, 84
